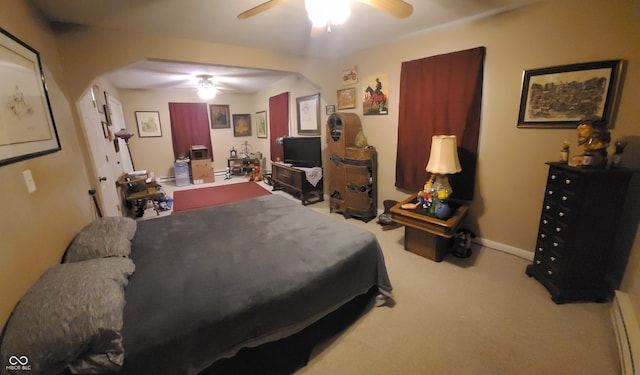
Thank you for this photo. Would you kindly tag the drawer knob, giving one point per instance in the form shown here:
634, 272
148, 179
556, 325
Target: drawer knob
553, 177
542, 235
545, 221
540, 249
567, 182
564, 198
553, 259
558, 229
550, 192
547, 208
561, 214
555, 244
538, 262
550, 273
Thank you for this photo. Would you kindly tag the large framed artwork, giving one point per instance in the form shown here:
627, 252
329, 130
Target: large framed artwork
242, 125
27, 128
220, 117
308, 108
148, 124
563, 96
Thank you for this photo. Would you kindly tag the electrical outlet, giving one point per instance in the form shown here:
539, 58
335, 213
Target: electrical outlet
28, 179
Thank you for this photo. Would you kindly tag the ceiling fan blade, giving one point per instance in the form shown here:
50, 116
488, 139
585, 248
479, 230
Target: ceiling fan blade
397, 8
259, 8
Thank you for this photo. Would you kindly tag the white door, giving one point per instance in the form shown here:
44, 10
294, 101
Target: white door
117, 121
94, 134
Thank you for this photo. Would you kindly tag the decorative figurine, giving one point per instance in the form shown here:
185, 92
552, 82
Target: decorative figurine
617, 157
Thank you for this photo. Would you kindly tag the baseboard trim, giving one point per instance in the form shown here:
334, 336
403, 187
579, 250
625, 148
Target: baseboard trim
625, 326
524, 254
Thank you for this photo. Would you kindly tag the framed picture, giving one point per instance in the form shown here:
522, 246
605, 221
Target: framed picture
261, 124
105, 129
308, 108
347, 98
563, 96
374, 97
242, 125
27, 129
98, 98
350, 76
220, 118
148, 124
330, 109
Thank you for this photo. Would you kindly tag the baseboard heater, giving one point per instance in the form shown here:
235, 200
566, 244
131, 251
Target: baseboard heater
627, 333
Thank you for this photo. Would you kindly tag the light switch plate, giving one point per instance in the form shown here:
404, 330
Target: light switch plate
28, 179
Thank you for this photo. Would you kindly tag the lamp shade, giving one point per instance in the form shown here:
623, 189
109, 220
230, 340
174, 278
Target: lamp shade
444, 155
124, 134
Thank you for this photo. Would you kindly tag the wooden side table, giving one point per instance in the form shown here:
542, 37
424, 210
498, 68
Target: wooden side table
425, 235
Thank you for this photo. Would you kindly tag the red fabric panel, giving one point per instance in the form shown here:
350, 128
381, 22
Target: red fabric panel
440, 95
189, 126
278, 123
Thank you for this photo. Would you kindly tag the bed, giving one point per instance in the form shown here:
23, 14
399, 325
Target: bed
200, 286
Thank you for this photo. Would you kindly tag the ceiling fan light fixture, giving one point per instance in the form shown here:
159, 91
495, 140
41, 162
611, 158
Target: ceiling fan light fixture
327, 12
206, 87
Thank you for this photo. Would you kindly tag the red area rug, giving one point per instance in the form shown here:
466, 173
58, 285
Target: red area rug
192, 199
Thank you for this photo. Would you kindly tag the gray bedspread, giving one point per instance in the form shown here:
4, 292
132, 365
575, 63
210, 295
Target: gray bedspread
211, 281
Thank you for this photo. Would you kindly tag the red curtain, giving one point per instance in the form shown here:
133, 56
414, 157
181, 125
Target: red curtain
189, 127
440, 95
278, 123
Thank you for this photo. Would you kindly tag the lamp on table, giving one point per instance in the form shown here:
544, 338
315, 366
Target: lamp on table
443, 160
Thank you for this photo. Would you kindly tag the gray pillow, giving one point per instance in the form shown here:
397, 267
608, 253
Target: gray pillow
71, 317
104, 237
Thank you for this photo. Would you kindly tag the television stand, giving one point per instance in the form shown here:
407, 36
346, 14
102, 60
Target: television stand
293, 180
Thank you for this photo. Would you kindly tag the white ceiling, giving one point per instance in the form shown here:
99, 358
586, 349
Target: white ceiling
284, 28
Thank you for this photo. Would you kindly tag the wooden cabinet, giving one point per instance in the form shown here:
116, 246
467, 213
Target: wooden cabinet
578, 224
242, 166
352, 171
295, 180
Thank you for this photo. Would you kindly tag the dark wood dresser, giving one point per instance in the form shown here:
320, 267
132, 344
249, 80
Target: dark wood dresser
578, 224
353, 171
294, 180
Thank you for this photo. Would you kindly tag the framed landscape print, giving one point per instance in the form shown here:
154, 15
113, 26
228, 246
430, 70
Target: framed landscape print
27, 128
242, 125
261, 124
347, 98
148, 124
563, 96
308, 108
220, 118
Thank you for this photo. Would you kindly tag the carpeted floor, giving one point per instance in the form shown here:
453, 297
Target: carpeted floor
192, 199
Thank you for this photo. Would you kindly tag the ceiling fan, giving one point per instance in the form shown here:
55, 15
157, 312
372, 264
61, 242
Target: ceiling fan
397, 8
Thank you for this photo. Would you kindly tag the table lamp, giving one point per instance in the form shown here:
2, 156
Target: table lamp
126, 134
443, 160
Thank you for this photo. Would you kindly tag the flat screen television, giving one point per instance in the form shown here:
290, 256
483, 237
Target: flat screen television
302, 151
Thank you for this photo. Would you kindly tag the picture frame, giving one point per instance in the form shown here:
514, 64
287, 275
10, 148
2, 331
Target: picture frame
242, 125
220, 116
564, 96
330, 109
374, 95
261, 124
28, 129
350, 76
148, 123
308, 110
98, 98
346, 98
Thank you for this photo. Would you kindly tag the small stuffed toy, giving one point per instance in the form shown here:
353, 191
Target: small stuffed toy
462, 243
255, 174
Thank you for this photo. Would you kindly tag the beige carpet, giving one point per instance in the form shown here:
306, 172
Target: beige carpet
480, 315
